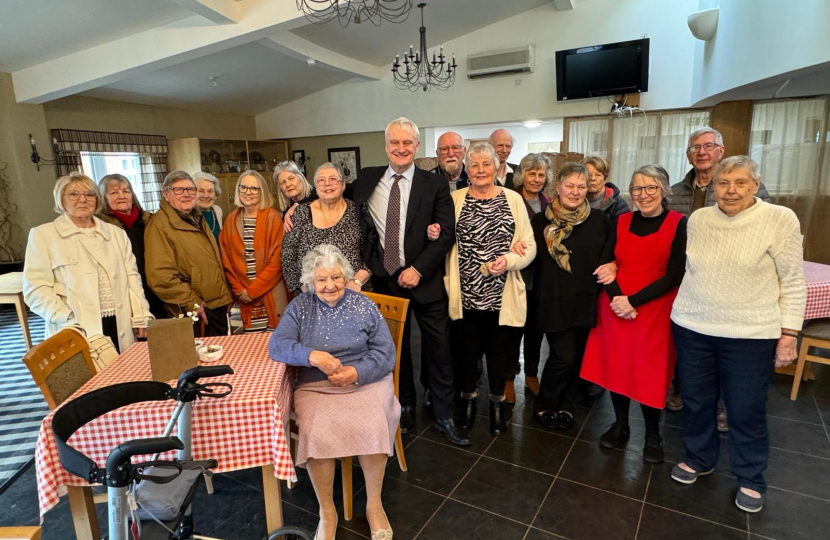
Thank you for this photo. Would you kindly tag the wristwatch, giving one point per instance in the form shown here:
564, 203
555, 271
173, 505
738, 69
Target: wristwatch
359, 283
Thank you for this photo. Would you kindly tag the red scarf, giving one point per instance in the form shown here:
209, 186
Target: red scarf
127, 219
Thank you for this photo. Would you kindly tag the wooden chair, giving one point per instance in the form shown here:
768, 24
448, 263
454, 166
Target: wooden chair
20, 533
60, 365
816, 334
393, 310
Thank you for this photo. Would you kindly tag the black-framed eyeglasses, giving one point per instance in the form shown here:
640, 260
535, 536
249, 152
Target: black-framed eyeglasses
708, 147
649, 190
250, 189
180, 190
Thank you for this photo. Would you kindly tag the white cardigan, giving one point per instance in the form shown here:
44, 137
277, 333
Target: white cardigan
514, 298
60, 279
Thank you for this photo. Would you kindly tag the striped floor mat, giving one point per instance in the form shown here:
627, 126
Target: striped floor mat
21, 404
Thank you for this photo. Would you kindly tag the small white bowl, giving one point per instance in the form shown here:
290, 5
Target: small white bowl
199, 344
212, 355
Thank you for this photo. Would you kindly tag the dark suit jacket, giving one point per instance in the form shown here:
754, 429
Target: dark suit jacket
429, 202
508, 180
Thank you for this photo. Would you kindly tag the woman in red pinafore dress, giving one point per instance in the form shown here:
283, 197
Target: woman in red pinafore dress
631, 351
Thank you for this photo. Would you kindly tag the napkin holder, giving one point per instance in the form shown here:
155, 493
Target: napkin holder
170, 344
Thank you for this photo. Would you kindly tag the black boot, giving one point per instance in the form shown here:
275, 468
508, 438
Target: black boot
467, 409
498, 424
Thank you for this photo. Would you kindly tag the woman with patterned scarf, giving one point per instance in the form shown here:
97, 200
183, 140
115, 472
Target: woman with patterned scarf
575, 256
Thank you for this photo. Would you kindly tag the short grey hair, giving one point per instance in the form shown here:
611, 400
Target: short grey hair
405, 124
289, 167
483, 149
210, 178
330, 165
734, 163
175, 176
531, 162
266, 199
80, 178
704, 131
327, 257
569, 169
103, 186
656, 173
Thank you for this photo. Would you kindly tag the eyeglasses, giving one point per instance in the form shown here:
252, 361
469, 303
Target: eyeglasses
74, 195
180, 190
456, 149
329, 180
708, 147
250, 189
649, 190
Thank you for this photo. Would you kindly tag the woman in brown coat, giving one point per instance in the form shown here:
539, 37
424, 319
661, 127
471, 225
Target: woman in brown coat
183, 264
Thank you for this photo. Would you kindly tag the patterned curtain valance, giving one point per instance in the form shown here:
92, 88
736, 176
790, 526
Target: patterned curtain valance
72, 140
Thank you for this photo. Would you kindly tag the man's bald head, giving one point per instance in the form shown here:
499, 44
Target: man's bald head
502, 141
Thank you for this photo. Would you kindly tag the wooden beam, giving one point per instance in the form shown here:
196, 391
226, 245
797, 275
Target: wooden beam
218, 11
734, 121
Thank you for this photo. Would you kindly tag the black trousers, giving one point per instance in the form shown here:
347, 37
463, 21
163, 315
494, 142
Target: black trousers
217, 321
479, 333
559, 386
531, 347
109, 327
436, 362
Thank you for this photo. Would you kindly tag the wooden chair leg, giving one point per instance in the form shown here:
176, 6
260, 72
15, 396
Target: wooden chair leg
346, 470
20, 306
799, 368
293, 443
399, 450
83, 513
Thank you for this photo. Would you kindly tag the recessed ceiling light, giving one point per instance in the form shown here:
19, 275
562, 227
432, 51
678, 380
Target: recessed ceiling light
532, 124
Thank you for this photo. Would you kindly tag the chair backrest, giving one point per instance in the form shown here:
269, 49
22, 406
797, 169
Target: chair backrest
393, 310
20, 533
60, 365
426, 163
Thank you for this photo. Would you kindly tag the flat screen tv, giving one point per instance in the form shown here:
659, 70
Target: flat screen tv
602, 70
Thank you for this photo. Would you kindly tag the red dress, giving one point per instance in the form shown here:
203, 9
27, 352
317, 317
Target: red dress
636, 357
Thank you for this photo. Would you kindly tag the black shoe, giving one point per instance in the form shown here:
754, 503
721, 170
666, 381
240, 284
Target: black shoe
455, 433
615, 437
555, 420
407, 419
498, 424
653, 449
428, 398
467, 409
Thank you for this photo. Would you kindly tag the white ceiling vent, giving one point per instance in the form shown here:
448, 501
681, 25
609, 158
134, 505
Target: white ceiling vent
494, 64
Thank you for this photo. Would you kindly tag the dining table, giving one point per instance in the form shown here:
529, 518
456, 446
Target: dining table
246, 429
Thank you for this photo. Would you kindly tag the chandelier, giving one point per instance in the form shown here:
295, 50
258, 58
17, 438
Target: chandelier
346, 11
418, 72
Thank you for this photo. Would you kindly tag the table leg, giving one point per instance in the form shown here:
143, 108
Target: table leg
24, 321
83, 513
273, 500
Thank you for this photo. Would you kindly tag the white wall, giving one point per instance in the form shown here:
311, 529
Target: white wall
360, 106
757, 40
549, 131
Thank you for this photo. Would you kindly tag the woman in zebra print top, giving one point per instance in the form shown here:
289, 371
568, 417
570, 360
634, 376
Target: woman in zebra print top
486, 292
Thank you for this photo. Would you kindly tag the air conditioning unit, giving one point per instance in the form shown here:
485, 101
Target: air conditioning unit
494, 64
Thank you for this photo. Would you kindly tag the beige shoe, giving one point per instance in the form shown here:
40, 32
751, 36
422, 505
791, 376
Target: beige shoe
383, 534
317, 532
723, 423
509, 392
532, 385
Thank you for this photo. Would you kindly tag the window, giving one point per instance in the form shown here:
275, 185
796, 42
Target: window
97, 165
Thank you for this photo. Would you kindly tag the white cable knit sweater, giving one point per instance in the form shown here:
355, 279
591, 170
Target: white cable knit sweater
744, 274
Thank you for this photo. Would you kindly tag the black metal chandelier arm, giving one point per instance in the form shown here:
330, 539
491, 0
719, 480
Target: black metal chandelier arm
417, 71
357, 11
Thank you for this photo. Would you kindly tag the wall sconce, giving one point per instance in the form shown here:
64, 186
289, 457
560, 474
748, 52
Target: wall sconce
35, 157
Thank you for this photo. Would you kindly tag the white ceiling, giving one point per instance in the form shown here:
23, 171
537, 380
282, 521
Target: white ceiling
444, 20
251, 79
34, 31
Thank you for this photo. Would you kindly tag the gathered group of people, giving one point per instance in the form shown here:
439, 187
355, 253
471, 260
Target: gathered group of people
704, 276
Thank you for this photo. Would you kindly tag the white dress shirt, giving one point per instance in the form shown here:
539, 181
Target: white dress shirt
379, 201
500, 179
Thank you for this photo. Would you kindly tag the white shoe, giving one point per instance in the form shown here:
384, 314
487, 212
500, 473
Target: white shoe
383, 534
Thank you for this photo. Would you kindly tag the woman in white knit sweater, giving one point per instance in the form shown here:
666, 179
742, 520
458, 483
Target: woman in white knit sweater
736, 317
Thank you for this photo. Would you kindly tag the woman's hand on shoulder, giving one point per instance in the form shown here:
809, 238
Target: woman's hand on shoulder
287, 221
345, 376
324, 362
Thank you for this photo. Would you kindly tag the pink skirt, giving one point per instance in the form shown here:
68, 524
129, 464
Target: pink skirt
337, 421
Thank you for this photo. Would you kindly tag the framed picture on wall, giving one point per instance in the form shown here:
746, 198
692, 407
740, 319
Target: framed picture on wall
298, 157
348, 159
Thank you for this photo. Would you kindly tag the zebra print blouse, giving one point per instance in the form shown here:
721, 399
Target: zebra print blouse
484, 231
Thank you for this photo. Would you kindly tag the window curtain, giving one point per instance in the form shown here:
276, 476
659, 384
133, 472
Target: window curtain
634, 144
588, 137
152, 150
675, 129
788, 140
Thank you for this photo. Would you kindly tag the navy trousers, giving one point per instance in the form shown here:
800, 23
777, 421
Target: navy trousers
743, 367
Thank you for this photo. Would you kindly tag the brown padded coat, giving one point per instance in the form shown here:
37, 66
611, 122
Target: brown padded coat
183, 263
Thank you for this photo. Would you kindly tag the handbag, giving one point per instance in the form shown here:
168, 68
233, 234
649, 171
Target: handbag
102, 351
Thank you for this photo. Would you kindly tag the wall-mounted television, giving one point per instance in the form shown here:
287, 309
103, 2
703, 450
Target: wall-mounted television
602, 70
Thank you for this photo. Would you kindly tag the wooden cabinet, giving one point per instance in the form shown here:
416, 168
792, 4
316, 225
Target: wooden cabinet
226, 159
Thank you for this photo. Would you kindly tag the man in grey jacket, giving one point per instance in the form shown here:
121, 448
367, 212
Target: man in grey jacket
704, 151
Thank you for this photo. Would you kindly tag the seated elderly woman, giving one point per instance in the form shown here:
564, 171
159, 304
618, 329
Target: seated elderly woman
207, 189
62, 256
122, 209
292, 185
736, 317
345, 397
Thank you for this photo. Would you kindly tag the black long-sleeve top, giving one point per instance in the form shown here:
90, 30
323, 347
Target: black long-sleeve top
569, 299
676, 267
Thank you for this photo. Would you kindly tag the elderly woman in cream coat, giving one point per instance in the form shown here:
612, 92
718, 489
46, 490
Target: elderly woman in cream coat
81, 272
487, 300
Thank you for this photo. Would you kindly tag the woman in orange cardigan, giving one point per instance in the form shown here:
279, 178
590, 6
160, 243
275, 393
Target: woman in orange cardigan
251, 242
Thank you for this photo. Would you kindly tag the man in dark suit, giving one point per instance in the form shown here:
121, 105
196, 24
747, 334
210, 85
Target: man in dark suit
397, 203
503, 142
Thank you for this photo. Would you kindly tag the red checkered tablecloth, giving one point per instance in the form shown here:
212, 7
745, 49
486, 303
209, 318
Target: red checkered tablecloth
817, 277
246, 429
